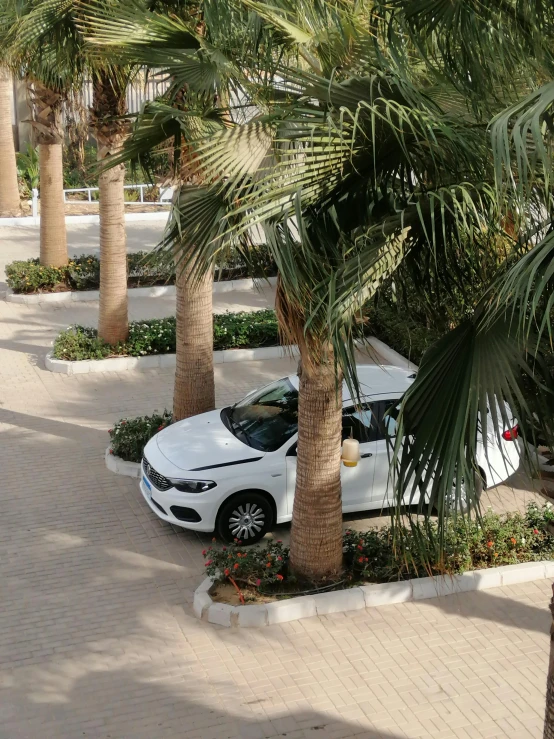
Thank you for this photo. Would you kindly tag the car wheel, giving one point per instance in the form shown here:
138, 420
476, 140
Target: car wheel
247, 516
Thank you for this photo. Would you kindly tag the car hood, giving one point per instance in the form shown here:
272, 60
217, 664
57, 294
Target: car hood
202, 441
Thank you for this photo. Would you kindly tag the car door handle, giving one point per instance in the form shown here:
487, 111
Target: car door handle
366, 455
277, 474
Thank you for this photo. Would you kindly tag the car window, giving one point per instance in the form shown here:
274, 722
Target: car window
266, 418
388, 413
359, 423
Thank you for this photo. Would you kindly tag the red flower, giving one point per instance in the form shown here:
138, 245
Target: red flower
111, 451
279, 577
161, 427
535, 531
361, 559
110, 431
360, 547
258, 582
280, 559
223, 549
204, 552
268, 564
490, 544
514, 542
347, 533
208, 563
227, 572
236, 566
123, 423
279, 541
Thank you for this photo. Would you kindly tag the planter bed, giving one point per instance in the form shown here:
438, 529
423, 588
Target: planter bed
154, 291
254, 586
153, 361
121, 466
80, 278
363, 596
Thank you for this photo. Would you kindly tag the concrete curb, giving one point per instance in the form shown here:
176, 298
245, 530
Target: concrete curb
120, 466
155, 291
364, 596
24, 221
153, 361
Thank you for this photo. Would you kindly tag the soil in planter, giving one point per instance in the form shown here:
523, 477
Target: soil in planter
290, 587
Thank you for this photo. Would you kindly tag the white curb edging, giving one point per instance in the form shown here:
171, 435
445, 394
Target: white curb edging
153, 361
120, 466
364, 596
155, 291
25, 221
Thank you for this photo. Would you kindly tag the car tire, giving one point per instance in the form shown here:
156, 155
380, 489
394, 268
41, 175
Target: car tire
247, 517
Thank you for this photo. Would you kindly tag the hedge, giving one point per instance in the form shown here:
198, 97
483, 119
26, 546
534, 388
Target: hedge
143, 269
157, 336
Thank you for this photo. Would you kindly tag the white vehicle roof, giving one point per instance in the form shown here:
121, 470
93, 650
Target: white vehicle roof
375, 379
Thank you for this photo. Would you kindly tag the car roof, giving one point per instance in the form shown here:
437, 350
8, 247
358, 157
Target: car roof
375, 379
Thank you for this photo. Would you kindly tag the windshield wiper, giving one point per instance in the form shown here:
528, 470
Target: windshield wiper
237, 428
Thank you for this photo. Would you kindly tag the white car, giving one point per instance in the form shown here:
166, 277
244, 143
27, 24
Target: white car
233, 471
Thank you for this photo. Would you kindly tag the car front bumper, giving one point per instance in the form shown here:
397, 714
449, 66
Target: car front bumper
162, 503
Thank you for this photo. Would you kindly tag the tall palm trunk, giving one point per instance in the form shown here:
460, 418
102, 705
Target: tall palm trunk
10, 204
109, 103
316, 536
194, 390
549, 713
47, 122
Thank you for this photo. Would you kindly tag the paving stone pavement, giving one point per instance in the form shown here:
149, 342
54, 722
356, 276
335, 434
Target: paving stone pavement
97, 636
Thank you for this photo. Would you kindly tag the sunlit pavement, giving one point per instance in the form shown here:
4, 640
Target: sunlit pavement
97, 636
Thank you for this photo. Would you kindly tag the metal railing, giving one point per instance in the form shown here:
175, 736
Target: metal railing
166, 193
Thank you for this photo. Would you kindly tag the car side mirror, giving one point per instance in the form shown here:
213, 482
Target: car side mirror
292, 451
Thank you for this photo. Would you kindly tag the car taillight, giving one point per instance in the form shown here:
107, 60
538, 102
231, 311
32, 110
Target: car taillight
511, 434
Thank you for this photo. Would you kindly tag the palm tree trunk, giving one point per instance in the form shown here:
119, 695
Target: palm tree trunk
194, 390
109, 104
316, 536
10, 204
47, 122
549, 713
53, 238
113, 320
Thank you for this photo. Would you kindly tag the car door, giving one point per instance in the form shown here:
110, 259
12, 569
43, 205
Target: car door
384, 412
356, 481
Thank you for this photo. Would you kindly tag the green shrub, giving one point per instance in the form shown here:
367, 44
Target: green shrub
143, 270
129, 436
157, 336
370, 556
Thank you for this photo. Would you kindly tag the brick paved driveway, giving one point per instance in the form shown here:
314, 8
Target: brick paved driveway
97, 638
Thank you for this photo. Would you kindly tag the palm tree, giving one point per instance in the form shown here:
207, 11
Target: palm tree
351, 167
10, 204
48, 41
503, 352
110, 129
197, 50
47, 85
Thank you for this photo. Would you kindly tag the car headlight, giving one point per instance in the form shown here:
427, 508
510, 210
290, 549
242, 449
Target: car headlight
193, 486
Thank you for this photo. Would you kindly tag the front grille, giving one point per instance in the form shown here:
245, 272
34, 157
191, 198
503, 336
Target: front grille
159, 481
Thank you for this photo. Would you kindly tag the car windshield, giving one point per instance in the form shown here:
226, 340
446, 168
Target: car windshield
266, 418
